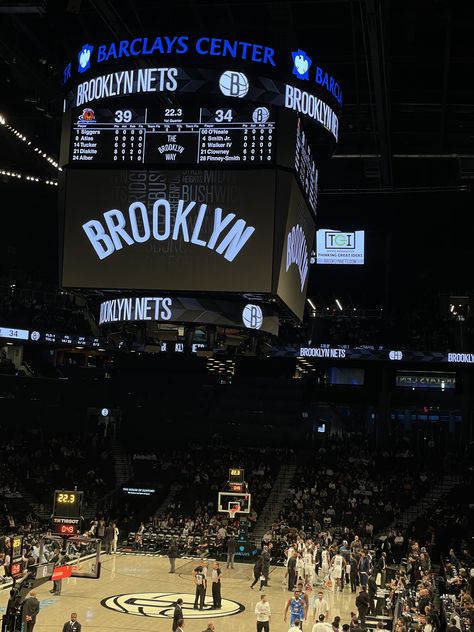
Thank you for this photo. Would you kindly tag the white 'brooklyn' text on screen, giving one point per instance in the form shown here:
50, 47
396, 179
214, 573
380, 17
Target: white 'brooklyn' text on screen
227, 237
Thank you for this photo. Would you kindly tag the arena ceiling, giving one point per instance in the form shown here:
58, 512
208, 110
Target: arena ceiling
405, 68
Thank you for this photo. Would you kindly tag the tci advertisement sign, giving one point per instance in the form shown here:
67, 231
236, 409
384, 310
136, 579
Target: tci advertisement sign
194, 231
205, 311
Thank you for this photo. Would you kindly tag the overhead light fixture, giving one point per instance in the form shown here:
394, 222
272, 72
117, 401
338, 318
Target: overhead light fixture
338, 303
312, 305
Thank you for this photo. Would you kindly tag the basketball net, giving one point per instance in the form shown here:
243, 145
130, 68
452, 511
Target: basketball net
233, 511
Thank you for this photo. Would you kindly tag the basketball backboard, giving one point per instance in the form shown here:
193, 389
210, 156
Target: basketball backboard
233, 502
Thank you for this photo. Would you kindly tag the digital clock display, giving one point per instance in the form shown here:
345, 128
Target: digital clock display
66, 498
67, 504
66, 529
236, 475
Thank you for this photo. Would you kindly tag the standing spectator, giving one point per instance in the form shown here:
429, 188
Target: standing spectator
353, 572
177, 614
116, 537
362, 605
371, 591
364, 568
101, 528
291, 571
216, 576
29, 611
109, 534
320, 625
73, 624
231, 547
172, 555
263, 612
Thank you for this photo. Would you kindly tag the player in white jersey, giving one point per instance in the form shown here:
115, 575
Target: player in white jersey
337, 565
325, 564
300, 568
308, 561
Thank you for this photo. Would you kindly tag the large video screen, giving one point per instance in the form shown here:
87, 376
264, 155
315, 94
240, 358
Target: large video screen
169, 230
294, 233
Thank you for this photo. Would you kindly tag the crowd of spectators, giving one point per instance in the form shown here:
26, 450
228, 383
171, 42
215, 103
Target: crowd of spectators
35, 463
346, 485
44, 308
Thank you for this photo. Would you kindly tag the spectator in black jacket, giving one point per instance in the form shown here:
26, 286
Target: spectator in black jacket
172, 555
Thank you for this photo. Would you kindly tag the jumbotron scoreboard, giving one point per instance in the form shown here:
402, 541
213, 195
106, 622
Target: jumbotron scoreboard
178, 149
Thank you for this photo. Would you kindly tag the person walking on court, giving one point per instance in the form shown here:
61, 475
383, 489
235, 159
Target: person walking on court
172, 555
180, 627
266, 559
216, 576
231, 548
177, 614
263, 612
73, 624
210, 627
200, 582
257, 574
30, 609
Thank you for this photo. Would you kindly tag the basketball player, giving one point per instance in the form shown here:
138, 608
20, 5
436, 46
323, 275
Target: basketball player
338, 565
297, 607
325, 564
308, 562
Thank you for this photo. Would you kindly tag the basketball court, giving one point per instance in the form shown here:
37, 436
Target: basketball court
136, 592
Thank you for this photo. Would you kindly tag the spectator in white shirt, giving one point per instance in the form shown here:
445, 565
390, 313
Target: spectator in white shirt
320, 626
262, 610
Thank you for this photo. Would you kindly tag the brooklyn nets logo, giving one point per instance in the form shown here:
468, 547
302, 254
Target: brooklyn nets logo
161, 605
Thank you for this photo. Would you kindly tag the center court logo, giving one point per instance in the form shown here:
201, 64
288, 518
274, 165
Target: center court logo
301, 64
161, 605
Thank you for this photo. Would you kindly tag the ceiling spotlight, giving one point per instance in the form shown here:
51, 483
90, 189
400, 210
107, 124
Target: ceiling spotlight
311, 304
338, 303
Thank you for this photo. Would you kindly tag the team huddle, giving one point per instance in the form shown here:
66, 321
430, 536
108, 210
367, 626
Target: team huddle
312, 563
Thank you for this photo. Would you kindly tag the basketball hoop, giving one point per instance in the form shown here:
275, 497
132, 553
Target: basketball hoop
233, 510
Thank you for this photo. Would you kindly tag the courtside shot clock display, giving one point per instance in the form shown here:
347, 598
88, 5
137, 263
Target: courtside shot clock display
67, 511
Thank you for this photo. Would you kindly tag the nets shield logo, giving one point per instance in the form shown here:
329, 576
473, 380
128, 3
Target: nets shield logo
252, 316
161, 605
301, 64
84, 58
233, 84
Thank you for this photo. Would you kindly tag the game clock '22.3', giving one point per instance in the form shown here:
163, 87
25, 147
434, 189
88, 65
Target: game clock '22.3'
209, 136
